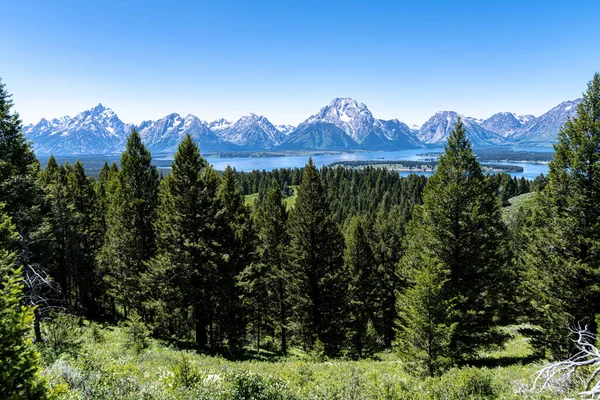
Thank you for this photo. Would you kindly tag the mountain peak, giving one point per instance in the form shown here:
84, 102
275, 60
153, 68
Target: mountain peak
99, 108
252, 116
347, 114
344, 102
252, 130
437, 129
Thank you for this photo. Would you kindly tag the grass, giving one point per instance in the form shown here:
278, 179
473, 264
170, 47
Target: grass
289, 201
250, 199
100, 363
524, 201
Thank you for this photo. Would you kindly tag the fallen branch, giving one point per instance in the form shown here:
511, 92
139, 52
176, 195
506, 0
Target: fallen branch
558, 376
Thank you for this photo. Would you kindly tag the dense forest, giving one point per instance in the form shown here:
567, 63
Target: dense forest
359, 262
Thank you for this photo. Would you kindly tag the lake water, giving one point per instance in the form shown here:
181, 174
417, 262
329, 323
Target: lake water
530, 170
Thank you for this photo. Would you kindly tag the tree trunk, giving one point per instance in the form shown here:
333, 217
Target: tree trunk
36, 327
258, 337
283, 318
201, 337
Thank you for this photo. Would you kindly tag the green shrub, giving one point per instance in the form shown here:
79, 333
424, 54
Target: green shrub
62, 334
317, 353
186, 374
463, 383
137, 333
247, 385
96, 332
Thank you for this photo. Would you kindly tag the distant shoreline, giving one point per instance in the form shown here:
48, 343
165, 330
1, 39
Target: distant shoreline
418, 166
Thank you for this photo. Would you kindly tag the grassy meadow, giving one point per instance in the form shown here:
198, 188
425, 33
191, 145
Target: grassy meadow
84, 360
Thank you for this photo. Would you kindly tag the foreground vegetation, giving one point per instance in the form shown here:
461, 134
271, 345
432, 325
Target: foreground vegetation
103, 363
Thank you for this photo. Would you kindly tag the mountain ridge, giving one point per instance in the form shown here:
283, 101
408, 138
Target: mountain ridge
343, 124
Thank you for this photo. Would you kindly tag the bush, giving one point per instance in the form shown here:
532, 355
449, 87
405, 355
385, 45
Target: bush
186, 373
248, 385
137, 333
317, 353
62, 335
463, 383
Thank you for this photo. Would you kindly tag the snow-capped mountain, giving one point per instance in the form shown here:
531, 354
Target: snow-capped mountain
505, 123
437, 129
543, 129
357, 122
347, 114
343, 124
95, 131
164, 135
254, 132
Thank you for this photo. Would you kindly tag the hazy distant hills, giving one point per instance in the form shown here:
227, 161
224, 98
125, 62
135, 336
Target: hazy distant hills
344, 124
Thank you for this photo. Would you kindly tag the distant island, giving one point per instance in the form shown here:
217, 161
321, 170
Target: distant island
417, 166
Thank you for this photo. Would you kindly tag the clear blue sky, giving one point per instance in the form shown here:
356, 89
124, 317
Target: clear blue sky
286, 59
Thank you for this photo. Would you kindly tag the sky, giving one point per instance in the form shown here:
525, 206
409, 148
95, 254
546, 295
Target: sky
286, 59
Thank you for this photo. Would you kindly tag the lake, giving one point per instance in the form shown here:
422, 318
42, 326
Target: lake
530, 170
93, 163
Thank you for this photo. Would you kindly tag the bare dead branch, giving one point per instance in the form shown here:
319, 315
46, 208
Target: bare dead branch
558, 376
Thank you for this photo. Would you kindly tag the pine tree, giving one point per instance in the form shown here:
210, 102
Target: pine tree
129, 238
387, 235
460, 226
59, 215
237, 248
76, 234
317, 248
19, 362
363, 297
19, 169
563, 252
88, 238
21, 192
425, 328
183, 274
266, 283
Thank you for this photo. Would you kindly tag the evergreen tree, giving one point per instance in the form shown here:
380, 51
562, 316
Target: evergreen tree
363, 297
88, 238
59, 215
76, 234
425, 328
257, 299
129, 238
19, 362
563, 254
183, 275
317, 247
237, 247
387, 235
21, 192
460, 226
266, 283
19, 170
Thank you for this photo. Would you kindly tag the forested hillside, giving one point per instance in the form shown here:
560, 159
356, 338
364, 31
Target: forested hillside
427, 278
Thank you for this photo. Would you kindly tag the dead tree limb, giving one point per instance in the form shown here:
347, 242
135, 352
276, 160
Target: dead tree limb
558, 376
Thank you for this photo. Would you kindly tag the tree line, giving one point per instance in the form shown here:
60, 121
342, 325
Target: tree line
364, 260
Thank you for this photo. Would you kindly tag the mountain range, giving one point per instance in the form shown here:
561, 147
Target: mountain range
344, 124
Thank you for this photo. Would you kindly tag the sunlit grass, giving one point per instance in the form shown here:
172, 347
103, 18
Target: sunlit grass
102, 365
